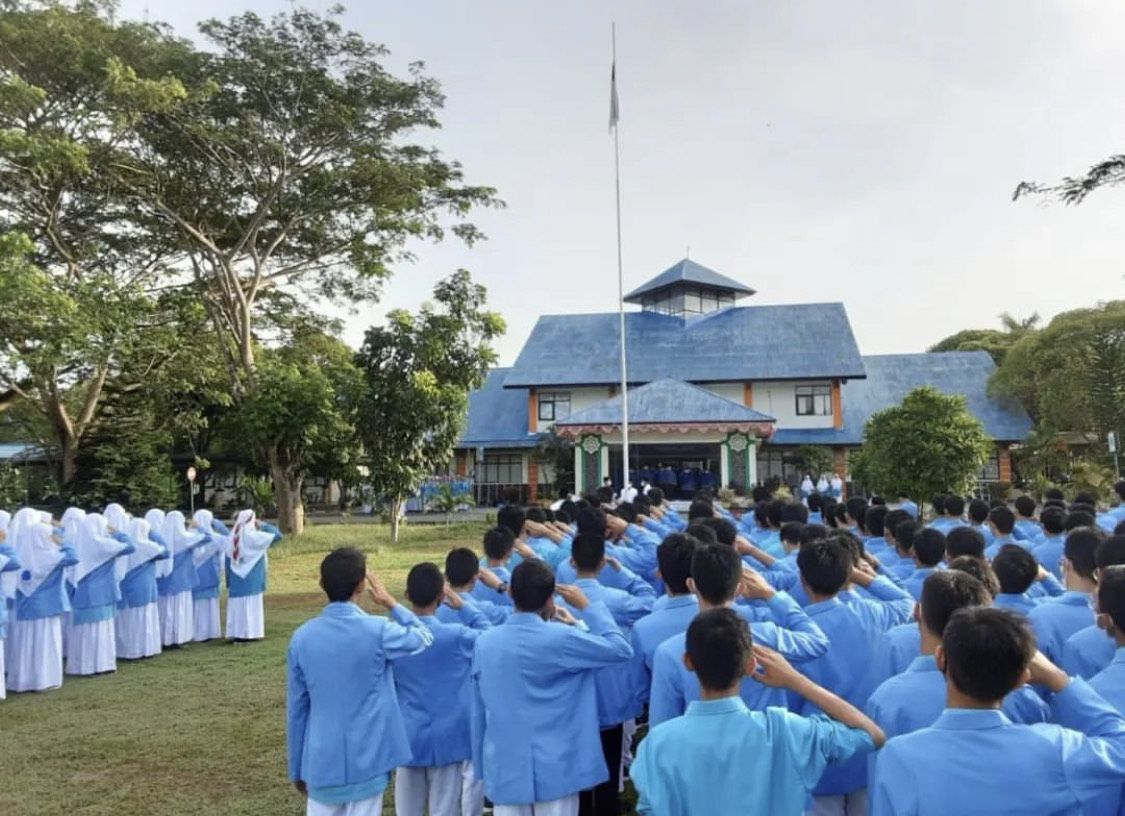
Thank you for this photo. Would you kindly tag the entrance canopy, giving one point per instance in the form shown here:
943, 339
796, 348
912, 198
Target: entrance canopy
669, 407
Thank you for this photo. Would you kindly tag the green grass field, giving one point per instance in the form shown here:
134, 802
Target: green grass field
198, 731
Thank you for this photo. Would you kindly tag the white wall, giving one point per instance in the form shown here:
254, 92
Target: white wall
580, 400
779, 400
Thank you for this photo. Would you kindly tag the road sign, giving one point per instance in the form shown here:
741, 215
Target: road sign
191, 474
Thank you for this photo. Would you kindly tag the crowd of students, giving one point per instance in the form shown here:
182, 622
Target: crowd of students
82, 591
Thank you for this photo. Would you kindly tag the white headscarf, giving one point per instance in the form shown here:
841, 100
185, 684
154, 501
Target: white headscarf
247, 544
94, 546
146, 549
7, 579
203, 523
155, 519
117, 517
5, 520
176, 533
37, 551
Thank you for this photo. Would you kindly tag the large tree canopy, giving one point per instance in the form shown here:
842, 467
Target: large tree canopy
996, 342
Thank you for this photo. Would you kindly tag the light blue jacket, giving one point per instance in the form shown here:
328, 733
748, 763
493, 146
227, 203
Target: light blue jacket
1048, 551
1087, 652
535, 709
345, 731
1110, 684
1056, 619
674, 616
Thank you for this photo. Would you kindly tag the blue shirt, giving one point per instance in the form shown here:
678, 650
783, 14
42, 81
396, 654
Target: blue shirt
183, 576
341, 693
944, 524
1019, 602
895, 650
911, 508
255, 581
1087, 652
535, 709
1027, 530
434, 694
495, 613
208, 578
1110, 684
1048, 551
1056, 619
11, 564
483, 592
913, 582
723, 758
674, 616
979, 763
50, 598
96, 595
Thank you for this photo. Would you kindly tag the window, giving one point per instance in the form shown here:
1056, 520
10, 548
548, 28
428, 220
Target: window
710, 300
691, 302
501, 468
991, 470
554, 405
814, 400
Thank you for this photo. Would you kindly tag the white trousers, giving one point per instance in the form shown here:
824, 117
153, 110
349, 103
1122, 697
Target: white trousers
207, 619
34, 659
472, 792
365, 807
567, 806
138, 631
3, 685
849, 804
438, 787
91, 648
246, 618
177, 619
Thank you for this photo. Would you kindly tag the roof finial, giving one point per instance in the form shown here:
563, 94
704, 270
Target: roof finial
687, 252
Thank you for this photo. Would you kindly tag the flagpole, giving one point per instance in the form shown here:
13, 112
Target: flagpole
620, 271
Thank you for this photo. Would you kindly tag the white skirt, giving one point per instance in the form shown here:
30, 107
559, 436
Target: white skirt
177, 619
138, 631
3, 685
91, 648
207, 619
372, 806
35, 661
246, 618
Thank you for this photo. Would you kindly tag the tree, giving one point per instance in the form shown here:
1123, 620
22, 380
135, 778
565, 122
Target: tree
558, 453
995, 342
299, 416
418, 372
287, 175
815, 460
1072, 190
929, 444
76, 265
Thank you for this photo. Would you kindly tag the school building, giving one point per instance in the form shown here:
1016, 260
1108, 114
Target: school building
720, 394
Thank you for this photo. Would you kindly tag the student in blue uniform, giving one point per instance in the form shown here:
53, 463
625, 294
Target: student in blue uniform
874, 523
498, 545
1110, 681
1016, 569
434, 697
208, 559
138, 615
909, 506
1026, 528
463, 572
1001, 522
535, 728
1054, 620
814, 505
974, 761
948, 510
1048, 550
247, 564
672, 613
345, 730
963, 541
92, 639
928, 549
899, 561
717, 577
723, 758
177, 610
1088, 650
852, 627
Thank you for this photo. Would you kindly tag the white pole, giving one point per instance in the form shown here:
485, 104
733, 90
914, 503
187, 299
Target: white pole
620, 288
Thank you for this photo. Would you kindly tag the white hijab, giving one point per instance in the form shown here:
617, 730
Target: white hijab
37, 551
247, 544
155, 519
177, 535
7, 579
94, 546
117, 517
146, 549
203, 524
5, 520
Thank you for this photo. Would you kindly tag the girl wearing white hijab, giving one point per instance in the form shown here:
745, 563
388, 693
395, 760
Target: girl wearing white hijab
9, 575
138, 613
92, 640
70, 523
177, 612
246, 576
34, 644
208, 569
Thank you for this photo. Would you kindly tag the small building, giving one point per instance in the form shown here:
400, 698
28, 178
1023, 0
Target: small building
720, 394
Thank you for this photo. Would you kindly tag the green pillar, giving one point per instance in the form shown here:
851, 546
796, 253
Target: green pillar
739, 453
589, 474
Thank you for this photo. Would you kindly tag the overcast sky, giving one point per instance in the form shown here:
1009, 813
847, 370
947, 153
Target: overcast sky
855, 152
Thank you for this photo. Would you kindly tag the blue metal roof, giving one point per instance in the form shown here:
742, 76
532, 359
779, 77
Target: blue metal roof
22, 452
667, 400
787, 342
497, 416
891, 377
688, 271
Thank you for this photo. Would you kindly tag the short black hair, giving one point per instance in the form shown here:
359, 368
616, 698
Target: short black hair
1055, 503
626, 511
794, 511
536, 514
1025, 506
1086, 497
591, 520
588, 551
979, 569
814, 502
1119, 489
1054, 493
424, 584
461, 566
1110, 552
987, 651
761, 493
938, 503
1080, 549
1015, 568
905, 531
563, 515
513, 517
716, 570
656, 496
929, 547
673, 557
498, 543
874, 520
1078, 518
841, 515
700, 509
725, 531
944, 592
828, 511
856, 508
1053, 519
965, 541
774, 511
954, 505
1083, 507
791, 532
1120, 528
532, 585
605, 494
893, 519
762, 513
826, 565
811, 532
341, 573
702, 533
719, 646
1111, 595
1003, 519
978, 511
878, 501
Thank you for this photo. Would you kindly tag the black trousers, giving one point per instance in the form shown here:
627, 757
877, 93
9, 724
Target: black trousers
604, 800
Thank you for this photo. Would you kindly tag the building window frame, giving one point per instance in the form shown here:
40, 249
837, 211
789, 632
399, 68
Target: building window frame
553, 405
500, 469
813, 400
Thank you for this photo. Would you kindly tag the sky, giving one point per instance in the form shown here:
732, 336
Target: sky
855, 152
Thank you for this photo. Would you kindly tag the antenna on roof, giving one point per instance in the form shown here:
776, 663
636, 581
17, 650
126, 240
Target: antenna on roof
687, 252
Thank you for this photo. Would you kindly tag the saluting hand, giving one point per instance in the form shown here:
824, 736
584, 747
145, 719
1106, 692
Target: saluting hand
489, 578
378, 591
754, 587
454, 600
573, 596
773, 669
562, 615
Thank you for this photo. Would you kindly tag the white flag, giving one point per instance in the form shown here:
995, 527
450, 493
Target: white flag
614, 112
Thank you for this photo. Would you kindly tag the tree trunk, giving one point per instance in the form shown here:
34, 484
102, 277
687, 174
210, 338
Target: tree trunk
396, 513
68, 462
287, 496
